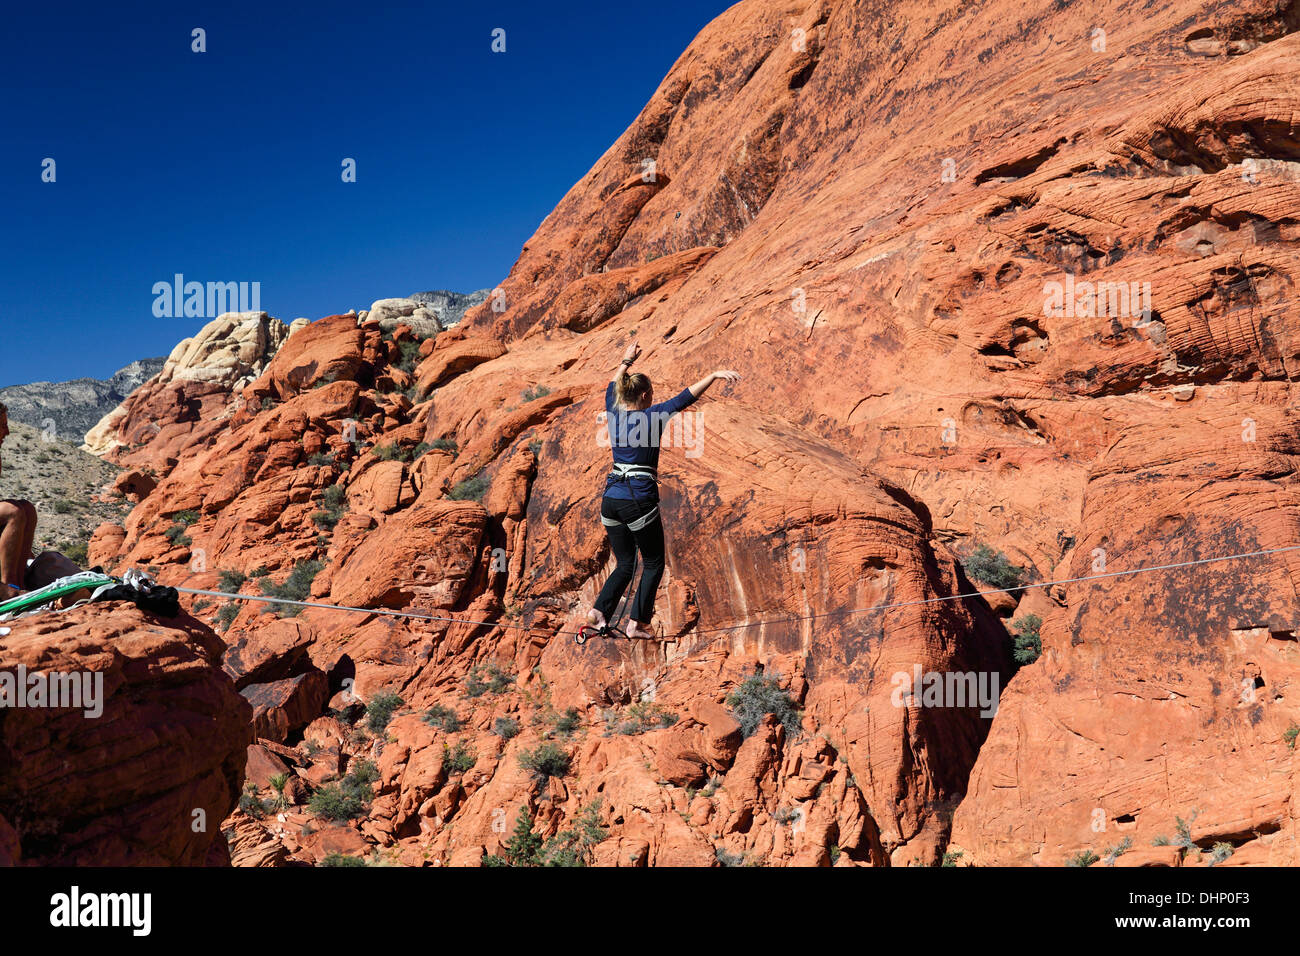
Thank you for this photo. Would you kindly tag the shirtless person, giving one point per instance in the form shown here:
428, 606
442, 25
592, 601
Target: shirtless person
17, 532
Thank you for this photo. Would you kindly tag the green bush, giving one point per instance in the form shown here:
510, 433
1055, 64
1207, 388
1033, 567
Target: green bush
340, 859
458, 759
568, 722
1289, 735
640, 718
506, 728
1027, 645
1083, 858
471, 489
379, 711
569, 848
231, 581
759, 696
333, 505
532, 394
336, 801
726, 858
487, 679
1113, 853
548, 760
443, 717
176, 535
445, 444
345, 799
992, 567
297, 587
226, 616
251, 804
1220, 852
321, 459
63, 506
77, 551
950, 858
408, 356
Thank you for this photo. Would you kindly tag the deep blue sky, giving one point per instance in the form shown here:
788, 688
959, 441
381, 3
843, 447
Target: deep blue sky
225, 165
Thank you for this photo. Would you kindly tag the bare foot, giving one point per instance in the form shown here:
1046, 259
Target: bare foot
641, 633
595, 618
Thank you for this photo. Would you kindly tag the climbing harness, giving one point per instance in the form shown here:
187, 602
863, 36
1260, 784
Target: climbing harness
623, 473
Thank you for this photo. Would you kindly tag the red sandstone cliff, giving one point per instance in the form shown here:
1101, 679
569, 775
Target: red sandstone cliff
863, 208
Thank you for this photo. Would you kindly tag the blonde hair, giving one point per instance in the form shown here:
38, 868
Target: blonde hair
631, 390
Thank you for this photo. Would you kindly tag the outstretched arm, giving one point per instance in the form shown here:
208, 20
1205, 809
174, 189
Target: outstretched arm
721, 375
630, 355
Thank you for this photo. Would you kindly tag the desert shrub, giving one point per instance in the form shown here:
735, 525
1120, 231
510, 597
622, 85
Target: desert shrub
993, 567
531, 394
187, 517
471, 489
336, 801
297, 587
487, 678
345, 799
951, 858
1113, 853
251, 804
506, 728
77, 551
226, 616
379, 711
1083, 858
176, 535
260, 571
231, 581
321, 459
445, 444
333, 504
408, 356
1289, 735
726, 858
568, 722
1220, 852
547, 760
363, 771
535, 446
341, 859
63, 506
458, 759
572, 847
1027, 645
759, 696
640, 718
444, 717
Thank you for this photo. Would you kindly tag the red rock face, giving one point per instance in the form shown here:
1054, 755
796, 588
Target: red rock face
1023, 281
146, 775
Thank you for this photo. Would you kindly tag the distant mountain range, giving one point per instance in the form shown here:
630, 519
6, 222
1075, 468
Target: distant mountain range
450, 306
76, 406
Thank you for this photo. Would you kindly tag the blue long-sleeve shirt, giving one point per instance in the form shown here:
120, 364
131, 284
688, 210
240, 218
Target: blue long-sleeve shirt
634, 437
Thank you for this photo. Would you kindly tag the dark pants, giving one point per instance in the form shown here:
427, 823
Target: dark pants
625, 544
